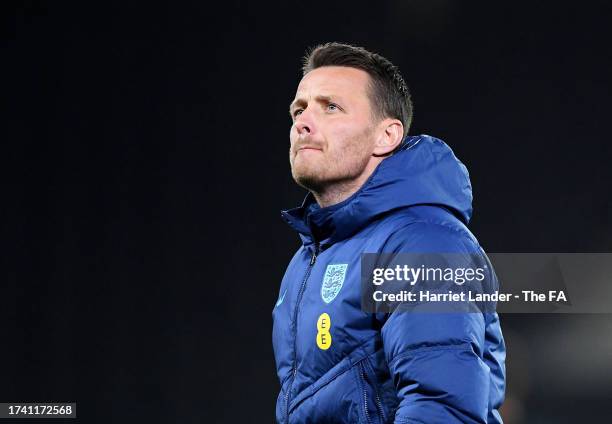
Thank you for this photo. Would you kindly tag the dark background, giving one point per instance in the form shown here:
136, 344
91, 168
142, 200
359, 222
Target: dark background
144, 162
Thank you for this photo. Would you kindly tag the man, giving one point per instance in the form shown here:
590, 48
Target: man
374, 189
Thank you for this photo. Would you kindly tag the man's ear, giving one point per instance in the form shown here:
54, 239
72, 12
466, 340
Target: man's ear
389, 136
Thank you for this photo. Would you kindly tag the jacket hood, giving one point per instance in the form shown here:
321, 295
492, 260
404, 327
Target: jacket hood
424, 171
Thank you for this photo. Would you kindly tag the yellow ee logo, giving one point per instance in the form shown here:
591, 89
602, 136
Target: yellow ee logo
324, 338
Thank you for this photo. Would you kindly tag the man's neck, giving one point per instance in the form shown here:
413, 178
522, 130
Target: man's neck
335, 194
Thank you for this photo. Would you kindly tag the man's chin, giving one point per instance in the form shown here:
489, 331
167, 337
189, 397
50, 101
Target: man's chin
308, 180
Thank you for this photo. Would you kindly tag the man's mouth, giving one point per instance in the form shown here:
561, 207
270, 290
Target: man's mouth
307, 148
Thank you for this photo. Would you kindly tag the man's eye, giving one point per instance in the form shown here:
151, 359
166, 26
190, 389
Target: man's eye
332, 106
297, 112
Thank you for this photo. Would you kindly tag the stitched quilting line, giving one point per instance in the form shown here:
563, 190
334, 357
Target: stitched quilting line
460, 346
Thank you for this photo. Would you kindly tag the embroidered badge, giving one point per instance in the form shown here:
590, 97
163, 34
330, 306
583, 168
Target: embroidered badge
333, 281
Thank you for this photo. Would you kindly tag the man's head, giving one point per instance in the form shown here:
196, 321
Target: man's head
351, 110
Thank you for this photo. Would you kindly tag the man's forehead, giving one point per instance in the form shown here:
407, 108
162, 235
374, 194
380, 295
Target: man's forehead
333, 78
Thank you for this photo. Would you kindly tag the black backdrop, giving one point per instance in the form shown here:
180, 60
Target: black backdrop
144, 164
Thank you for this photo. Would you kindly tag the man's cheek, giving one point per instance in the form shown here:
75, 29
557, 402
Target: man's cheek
292, 136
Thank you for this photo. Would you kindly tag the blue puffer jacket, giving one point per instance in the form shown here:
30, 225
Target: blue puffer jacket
338, 364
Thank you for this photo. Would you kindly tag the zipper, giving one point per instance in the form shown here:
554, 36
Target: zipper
379, 405
313, 259
378, 402
365, 394
364, 380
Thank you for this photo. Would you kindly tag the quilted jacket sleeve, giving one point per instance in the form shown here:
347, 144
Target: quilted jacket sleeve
446, 367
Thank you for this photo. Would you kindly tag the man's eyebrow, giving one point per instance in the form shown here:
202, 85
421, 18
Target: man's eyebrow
320, 98
296, 102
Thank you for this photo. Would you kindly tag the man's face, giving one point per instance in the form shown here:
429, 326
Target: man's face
332, 132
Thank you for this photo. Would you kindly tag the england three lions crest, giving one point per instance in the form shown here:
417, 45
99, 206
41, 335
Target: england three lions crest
332, 281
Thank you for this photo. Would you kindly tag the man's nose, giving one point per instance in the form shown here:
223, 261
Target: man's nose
304, 123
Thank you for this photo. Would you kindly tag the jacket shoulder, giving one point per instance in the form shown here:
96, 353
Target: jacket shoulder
429, 228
